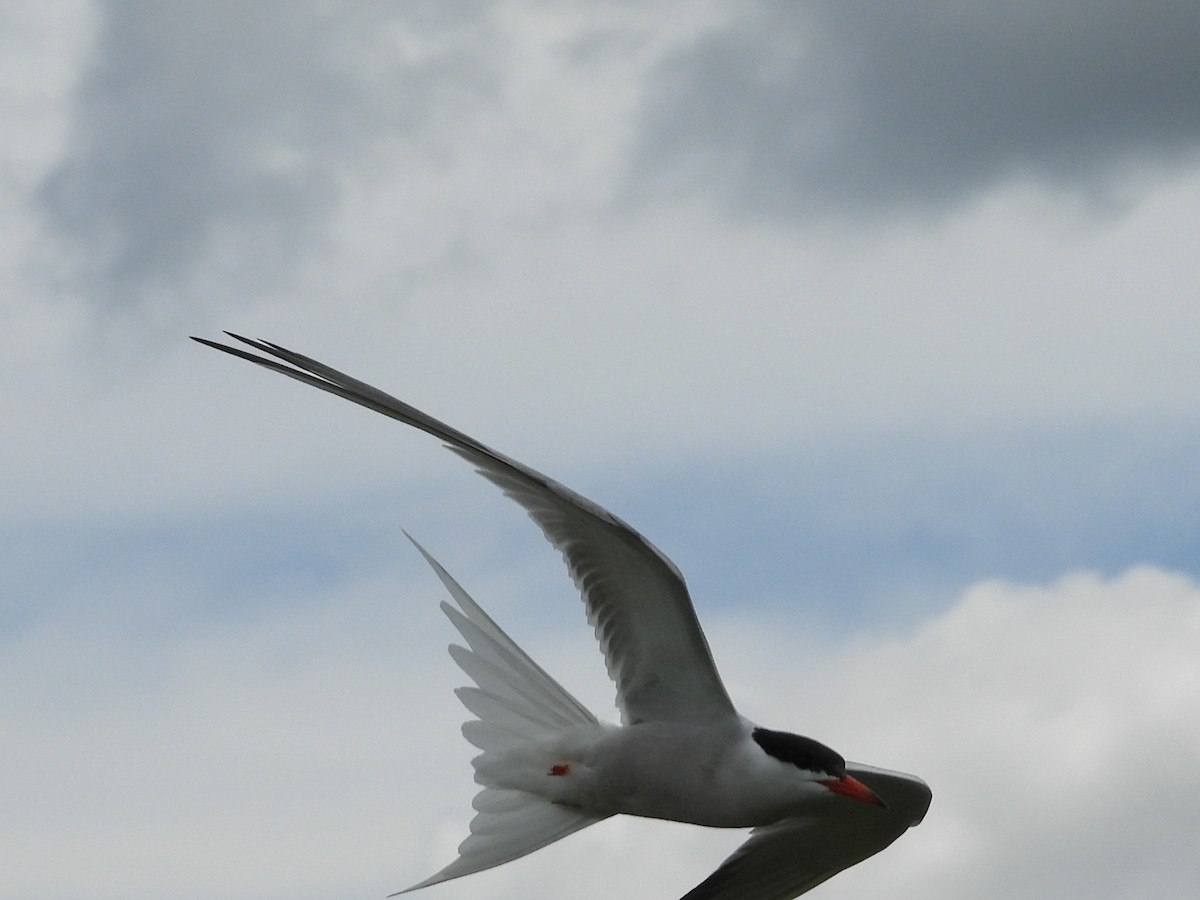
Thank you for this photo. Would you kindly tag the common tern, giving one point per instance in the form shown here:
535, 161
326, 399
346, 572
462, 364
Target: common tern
549, 767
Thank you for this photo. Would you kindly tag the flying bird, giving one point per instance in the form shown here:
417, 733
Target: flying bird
549, 767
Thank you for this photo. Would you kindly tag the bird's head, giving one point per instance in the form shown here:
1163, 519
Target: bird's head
826, 767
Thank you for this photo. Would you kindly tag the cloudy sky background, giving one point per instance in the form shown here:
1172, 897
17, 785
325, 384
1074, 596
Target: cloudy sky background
881, 322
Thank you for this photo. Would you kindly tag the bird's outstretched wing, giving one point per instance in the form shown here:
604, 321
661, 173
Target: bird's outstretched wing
793, 856
635, 597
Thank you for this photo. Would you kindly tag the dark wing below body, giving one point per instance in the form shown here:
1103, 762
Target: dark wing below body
793, 856
635, 596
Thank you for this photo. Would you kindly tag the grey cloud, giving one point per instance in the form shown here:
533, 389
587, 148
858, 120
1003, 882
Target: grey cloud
217, 133
851, 106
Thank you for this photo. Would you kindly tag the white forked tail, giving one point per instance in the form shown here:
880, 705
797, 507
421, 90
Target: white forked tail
516, 704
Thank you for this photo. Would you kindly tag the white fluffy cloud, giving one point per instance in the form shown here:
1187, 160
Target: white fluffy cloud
1060, 726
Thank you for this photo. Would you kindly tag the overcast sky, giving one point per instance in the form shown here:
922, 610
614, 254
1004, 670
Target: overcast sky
881, 320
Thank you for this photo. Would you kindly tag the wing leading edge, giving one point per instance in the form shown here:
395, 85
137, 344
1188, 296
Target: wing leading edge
634, 595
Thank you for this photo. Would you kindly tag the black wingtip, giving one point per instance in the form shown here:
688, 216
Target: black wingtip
207, 343
262, 346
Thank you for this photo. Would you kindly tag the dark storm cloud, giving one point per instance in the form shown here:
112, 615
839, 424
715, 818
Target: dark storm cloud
854, 106
215, 132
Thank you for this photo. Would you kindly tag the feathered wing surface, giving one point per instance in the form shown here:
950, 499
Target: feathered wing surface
635, 597
516, 703
793, 856
656, 653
